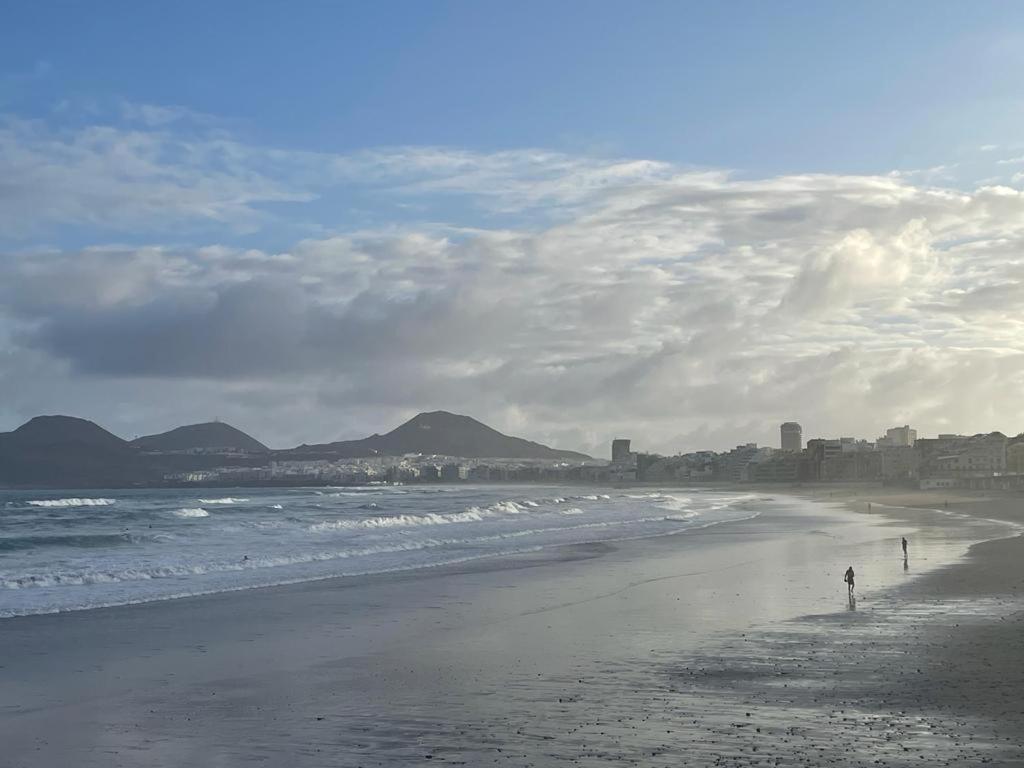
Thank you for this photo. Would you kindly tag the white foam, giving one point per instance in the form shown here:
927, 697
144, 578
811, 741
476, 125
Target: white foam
71, 502
192, 512
227, 500
680, 503
470, 515
276, 506
681, 518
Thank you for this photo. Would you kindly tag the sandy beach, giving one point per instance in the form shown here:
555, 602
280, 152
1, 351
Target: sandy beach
734, 645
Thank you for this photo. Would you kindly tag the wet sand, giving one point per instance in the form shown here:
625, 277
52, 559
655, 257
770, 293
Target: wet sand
736, 645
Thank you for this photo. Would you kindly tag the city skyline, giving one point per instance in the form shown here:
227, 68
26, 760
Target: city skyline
339, 236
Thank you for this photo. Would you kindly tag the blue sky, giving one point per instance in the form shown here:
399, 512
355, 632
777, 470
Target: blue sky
763, 87
597, 203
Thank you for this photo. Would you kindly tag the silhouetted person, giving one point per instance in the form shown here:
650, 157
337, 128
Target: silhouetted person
904, 547
848, 578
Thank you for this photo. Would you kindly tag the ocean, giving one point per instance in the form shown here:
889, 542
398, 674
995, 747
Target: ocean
74, 550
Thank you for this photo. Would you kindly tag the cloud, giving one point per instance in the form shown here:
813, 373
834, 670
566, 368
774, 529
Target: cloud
161, 168
158, 116
126, 180
686, 308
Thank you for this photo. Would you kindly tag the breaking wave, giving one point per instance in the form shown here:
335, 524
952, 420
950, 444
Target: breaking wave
192, 512
470, 515
74, 502
400, 521
227, 500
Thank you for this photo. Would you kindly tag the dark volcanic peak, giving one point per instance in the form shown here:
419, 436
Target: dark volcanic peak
65, 452
211, 435
446, 434
53, 430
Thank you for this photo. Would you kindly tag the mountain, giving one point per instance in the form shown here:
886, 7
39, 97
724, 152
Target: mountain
68, 452
211, 435
444, 434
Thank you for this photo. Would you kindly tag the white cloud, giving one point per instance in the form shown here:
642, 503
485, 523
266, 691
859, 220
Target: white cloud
126, 180
686, 308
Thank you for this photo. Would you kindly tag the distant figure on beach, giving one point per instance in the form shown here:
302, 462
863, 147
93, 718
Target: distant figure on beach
848, 578
904, 547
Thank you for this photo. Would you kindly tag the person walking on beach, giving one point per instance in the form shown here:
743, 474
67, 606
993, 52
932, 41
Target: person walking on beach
904, 547
848, 578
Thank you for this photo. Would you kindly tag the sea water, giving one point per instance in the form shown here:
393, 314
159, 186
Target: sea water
72, 550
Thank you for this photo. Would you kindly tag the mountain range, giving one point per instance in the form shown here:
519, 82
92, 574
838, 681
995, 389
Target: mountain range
68, 452
444, 434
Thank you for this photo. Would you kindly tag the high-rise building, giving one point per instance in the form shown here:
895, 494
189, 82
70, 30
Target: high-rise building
792, 436
620, 451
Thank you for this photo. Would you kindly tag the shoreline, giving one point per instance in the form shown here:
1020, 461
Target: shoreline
551, 643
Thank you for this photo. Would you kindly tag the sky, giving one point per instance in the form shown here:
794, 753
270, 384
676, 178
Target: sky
683, 223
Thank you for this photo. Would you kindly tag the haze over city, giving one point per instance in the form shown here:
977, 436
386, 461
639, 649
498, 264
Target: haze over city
570, 225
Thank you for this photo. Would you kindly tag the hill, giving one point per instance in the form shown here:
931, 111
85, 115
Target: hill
68, 452
210, 436
445, 434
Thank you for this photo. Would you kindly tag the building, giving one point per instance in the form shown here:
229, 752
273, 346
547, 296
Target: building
782, 467
978, 456
851, 466
1015, 457
452, 473
822, 449
964, 460
620, 451
792, 436
898, 437
899, 462
732, 465
819, 451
